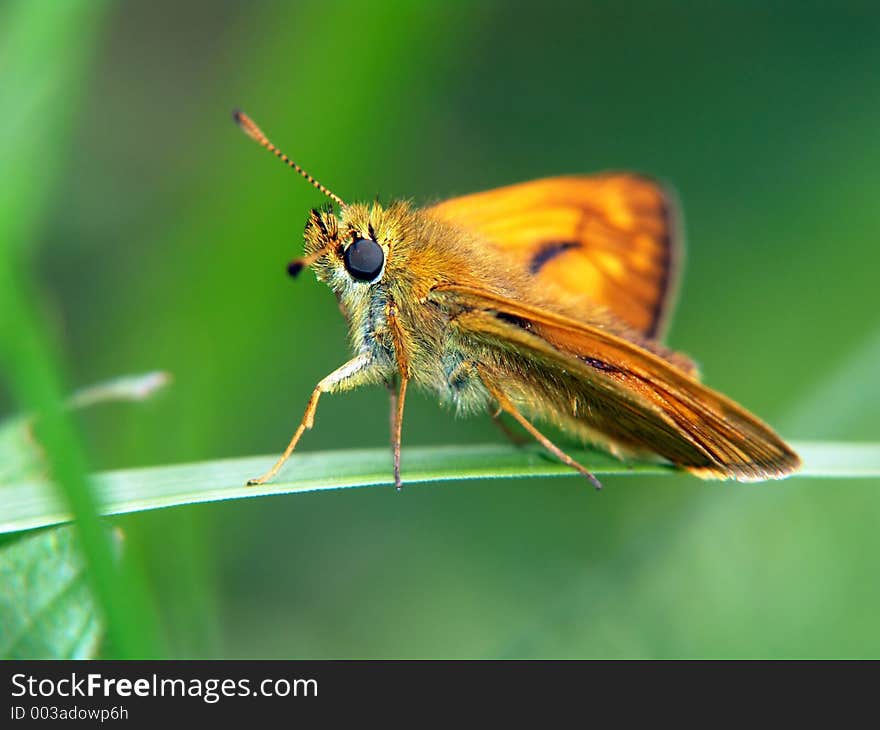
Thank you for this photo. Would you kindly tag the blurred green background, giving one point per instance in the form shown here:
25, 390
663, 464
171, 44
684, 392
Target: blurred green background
165, 235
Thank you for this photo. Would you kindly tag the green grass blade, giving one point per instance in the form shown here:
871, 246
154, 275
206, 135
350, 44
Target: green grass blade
29, 505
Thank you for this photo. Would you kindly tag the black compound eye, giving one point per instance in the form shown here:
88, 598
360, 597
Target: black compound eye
364, 259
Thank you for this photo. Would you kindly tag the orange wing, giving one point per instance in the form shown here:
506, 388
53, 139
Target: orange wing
612, 237
613, 391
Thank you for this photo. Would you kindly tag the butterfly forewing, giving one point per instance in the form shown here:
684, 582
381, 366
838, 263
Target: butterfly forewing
610, 237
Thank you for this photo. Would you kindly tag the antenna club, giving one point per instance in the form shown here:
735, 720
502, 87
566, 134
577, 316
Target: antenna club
246, 124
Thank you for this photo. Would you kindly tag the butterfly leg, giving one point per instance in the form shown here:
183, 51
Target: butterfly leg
398, 400
354, 373
391, 386
397, 403
511, 435
508, 407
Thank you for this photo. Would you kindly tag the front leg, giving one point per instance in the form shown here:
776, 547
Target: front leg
355, 372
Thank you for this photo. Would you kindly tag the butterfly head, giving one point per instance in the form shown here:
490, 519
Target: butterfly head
358, 248
369, 255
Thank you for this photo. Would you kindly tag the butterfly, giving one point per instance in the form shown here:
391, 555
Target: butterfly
545, 301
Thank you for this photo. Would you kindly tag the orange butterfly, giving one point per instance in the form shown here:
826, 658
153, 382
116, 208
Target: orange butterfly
543, 300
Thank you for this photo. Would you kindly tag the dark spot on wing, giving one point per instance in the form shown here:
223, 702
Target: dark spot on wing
527, 325
548, 252
513, 319
599, 364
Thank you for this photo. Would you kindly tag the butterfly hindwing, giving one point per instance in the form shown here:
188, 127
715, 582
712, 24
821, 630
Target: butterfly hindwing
616, 389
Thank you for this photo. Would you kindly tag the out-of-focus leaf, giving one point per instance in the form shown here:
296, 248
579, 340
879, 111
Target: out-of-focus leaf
46, 607
125, 388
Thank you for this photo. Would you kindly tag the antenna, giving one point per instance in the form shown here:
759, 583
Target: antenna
256, 134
